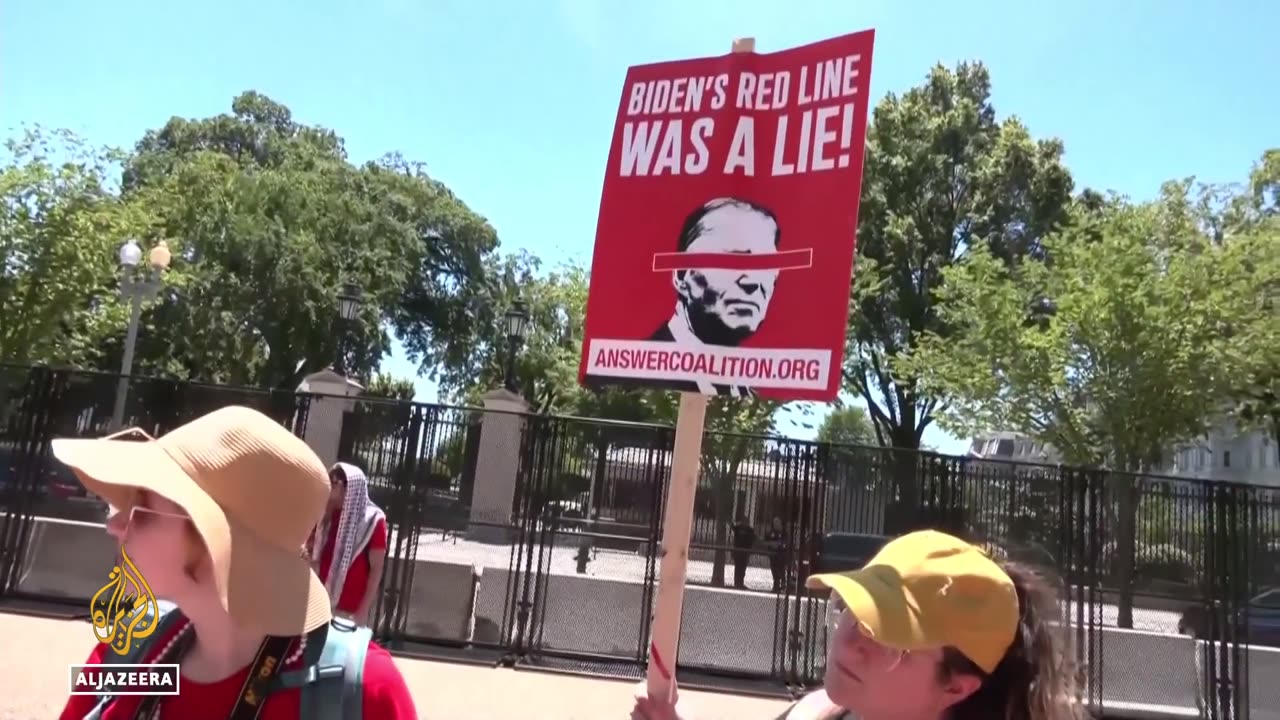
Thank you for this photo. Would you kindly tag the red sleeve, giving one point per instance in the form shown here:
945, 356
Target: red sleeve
386, 696
79, 705
378, 540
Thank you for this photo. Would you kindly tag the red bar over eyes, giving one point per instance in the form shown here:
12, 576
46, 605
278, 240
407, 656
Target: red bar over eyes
785, 260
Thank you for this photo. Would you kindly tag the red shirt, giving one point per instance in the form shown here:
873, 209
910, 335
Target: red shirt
357, 581
386, 696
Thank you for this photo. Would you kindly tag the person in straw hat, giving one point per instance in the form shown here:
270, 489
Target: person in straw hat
933, 628
215, 515
350, 546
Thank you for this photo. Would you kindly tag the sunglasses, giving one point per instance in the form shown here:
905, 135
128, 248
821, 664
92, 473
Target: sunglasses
841, 623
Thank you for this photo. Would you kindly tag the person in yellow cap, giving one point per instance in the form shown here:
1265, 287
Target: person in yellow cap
933, 628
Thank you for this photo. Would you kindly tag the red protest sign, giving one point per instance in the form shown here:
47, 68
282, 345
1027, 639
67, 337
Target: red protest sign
725, 243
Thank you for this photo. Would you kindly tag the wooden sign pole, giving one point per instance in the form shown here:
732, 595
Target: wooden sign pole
686, 459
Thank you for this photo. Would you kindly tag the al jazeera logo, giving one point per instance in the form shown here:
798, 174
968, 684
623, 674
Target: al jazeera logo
124, 612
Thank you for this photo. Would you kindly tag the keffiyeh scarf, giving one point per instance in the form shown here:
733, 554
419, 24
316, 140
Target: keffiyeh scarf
355, 527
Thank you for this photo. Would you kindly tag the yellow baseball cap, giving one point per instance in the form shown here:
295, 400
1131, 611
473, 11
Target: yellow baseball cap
928, 589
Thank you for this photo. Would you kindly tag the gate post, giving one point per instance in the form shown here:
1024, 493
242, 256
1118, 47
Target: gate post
497, 465
329, 405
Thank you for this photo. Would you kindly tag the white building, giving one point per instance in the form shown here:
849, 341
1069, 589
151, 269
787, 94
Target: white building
1224, 453
1012, 446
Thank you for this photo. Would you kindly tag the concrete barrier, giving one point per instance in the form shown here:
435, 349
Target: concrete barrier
66, 559
1141, 669
1263, 679
69, 560
1147, 674
721, 628
442, 601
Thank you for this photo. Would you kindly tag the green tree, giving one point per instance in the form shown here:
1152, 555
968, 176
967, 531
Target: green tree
268, 219
385, 385
546, 360
61, 227
1113, 352
1252, 222
847, 425
942, 177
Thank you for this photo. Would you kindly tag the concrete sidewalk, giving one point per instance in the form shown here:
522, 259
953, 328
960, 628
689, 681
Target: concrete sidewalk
36, 652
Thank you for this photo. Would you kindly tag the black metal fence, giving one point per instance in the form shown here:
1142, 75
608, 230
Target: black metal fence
1152, 570
38, 404
430, 449
1141, 561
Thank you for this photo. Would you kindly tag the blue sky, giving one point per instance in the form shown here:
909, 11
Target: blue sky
512, 103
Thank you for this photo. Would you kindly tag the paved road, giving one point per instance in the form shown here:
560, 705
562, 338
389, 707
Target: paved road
35, 684
629, 567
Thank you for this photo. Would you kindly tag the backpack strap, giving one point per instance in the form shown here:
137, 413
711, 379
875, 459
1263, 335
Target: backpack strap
169, 615
332, 679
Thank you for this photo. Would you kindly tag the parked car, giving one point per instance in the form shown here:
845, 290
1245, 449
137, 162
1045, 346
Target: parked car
54, 476
1262, 621
841, 551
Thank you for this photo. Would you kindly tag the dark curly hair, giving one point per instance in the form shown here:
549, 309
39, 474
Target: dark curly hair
1038, 678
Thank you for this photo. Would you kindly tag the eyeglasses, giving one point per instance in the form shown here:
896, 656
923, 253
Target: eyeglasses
140, 515
842, 627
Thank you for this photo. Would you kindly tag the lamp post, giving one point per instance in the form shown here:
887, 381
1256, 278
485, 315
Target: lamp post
350, 298
517, 319
137, 288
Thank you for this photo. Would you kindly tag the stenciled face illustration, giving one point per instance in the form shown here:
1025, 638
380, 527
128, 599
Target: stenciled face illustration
727, 306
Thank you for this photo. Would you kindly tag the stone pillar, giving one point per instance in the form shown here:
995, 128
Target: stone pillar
497, 465
331, 399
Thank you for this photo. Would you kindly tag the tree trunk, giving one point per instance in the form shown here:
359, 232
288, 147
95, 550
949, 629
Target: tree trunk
721, 486
904, 513
722, 501
1126, 484
596, 493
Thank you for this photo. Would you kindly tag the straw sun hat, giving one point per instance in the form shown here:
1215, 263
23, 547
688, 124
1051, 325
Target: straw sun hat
254, 492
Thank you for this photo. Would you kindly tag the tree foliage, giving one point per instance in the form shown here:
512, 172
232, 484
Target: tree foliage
267, 219
847, 425
943, 177
1129, 341
61, 226
1252, 218
547, 360
386, 385
1134, 336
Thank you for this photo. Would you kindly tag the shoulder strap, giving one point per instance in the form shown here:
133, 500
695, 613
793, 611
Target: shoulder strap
168, 615
333, 683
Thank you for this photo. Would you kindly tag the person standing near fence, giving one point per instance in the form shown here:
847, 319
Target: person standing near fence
776, 542
350, 546
744, 539
934, 629
214, 516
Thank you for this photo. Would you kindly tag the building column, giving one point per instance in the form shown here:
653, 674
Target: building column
332, 397
497, 466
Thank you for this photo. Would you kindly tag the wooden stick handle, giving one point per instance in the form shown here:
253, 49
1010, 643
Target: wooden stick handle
677, 526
